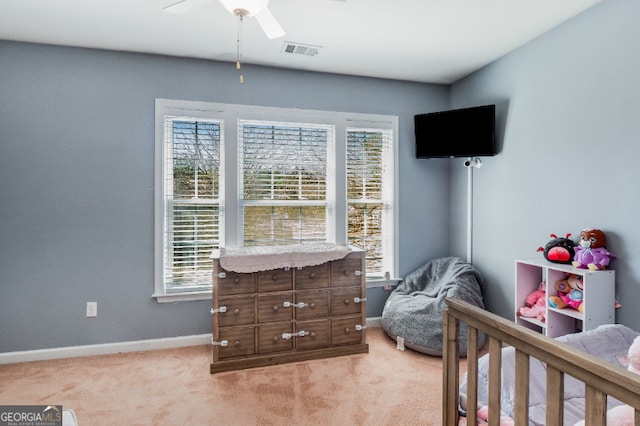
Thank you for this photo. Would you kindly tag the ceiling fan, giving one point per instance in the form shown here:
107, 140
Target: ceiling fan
241, 8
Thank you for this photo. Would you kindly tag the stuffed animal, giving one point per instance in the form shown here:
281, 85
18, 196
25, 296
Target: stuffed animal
559, 249
634, 356
623, 415
535, 304
591, 252
569, 293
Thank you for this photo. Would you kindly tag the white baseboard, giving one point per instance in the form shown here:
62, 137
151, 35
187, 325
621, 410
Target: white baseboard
374, 322
104, 349
120, 347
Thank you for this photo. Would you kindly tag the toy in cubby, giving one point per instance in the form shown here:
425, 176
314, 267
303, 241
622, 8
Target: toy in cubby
535, 304
570, 293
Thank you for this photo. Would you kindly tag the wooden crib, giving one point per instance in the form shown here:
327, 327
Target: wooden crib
601, 379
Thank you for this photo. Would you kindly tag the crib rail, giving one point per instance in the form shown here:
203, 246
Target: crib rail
600, 380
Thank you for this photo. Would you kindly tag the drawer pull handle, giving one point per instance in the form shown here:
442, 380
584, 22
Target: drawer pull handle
236, 343
347, 330
236, 280
274, 278
275, 308
220, 343
300, 333
294, 305
222, 275
236, 311
220, 309
359, 300
312, 305
275, 339
347, 301
312, 275
360, 327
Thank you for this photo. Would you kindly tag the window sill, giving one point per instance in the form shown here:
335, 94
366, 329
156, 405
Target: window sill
182, 297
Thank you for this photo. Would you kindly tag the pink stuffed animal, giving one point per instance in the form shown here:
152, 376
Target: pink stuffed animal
483, 417
623, 415
634, 356
534, 306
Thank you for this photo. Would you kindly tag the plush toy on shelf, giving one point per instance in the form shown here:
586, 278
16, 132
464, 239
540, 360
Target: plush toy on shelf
559, 249
534, 304
591, 252
569, 293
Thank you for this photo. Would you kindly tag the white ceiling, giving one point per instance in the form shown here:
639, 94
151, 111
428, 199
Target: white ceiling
432, 41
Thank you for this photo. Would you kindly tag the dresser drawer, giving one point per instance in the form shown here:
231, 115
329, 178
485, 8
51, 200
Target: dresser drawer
271, 307
317, 302
319, 334
343, 330
270, 337
234, 283
240, 341
239, 310
342, 300
275, 280
312, 277
346, 272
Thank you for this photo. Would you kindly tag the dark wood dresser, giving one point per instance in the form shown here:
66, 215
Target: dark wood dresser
288, 315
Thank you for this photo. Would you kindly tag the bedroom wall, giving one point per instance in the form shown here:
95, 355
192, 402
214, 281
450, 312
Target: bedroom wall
77, 173
568, 106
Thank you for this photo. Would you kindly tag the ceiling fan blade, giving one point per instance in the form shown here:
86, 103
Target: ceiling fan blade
184, 6
269, 24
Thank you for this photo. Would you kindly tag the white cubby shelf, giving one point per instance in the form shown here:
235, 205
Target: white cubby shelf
598, 297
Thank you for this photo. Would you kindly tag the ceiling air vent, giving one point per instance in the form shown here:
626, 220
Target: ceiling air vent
300, 49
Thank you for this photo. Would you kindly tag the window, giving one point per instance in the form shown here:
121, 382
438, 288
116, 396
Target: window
369, 196
243, 175
284, 182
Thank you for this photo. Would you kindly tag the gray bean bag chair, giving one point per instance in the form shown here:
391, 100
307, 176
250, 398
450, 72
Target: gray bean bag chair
414, 309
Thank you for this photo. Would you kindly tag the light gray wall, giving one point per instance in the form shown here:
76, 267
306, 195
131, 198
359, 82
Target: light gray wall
569, 104
76, 192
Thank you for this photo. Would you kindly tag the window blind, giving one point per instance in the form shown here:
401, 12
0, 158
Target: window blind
367, 156
191, 202
284, 182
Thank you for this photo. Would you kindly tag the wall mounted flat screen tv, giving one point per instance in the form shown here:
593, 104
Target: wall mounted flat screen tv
467, 132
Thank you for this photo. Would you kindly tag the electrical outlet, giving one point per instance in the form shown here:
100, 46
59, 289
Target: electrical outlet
92, 309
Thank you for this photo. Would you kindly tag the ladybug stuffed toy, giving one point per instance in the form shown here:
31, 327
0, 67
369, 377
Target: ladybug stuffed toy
559, 249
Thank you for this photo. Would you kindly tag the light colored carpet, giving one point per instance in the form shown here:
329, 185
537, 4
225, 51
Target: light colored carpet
174, 387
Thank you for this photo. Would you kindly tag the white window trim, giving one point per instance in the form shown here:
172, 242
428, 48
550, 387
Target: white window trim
230, 232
